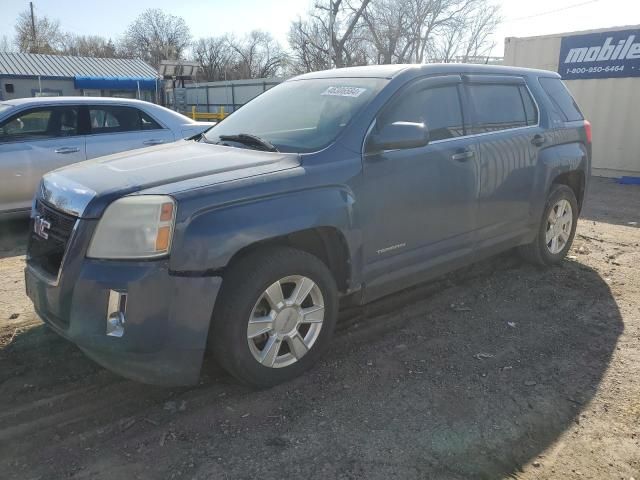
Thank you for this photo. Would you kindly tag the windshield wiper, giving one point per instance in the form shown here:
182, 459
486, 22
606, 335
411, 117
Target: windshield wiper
249, 140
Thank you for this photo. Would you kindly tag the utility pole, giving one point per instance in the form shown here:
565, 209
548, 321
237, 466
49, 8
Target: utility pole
332, 20
34, 47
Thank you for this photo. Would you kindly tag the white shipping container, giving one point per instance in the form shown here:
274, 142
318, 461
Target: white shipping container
612, 105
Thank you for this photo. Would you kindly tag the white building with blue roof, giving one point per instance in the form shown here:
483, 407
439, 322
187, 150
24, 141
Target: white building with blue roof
25, 75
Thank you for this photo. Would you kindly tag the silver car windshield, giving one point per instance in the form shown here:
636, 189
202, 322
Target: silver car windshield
300, 116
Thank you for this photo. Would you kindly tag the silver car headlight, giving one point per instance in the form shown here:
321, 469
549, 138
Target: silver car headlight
135, 227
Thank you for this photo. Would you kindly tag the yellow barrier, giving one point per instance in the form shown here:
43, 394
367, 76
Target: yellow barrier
207, 116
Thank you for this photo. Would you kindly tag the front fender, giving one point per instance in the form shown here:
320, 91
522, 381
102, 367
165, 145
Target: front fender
212, 236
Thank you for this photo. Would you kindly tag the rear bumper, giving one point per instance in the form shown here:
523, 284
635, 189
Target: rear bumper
166, 322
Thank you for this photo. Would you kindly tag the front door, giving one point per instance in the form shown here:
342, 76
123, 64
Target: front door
32, 143
420, 203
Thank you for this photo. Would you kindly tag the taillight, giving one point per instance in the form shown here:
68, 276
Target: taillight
587, 130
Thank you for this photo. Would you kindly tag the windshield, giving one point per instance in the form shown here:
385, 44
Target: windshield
300, 116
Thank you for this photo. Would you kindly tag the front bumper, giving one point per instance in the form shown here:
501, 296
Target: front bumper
167, 317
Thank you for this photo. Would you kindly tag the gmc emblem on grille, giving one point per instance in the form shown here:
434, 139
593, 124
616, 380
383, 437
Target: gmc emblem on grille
41, 227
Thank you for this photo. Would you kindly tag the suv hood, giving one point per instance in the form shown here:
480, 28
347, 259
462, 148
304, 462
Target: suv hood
84, 189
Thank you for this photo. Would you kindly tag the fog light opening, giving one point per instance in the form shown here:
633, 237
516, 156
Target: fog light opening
116, 313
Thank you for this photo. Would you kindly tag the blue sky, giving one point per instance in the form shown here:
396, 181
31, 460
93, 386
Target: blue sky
213, 17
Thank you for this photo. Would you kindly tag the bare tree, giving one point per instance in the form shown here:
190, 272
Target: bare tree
155, 36
430, 18
470, 36
332, 31
41, 36
354, 32
89, 46
343, 18
5, 45
481, 26
259, 55
388, 23
447, 46
216, 56
309, 45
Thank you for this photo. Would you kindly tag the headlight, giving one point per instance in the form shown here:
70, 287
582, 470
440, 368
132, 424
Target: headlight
135, 227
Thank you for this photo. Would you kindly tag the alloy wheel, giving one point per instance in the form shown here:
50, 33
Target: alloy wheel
286, 321
559, 224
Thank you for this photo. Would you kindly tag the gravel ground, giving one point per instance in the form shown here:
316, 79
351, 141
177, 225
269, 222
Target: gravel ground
500, 370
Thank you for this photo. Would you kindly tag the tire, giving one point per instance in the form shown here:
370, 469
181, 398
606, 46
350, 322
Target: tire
541, 252
249, 292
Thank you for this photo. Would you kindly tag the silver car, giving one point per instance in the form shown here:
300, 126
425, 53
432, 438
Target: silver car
41, 134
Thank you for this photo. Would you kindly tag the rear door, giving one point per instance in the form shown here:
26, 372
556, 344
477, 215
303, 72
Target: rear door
33, 142
420, 203
504, 122
116, 128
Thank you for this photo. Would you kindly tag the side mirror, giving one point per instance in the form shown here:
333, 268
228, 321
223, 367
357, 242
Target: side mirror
398, 135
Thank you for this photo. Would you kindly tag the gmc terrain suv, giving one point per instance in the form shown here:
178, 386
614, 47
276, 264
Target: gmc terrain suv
353, 183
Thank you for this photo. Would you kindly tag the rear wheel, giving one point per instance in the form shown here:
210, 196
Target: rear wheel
557, 228
275, 315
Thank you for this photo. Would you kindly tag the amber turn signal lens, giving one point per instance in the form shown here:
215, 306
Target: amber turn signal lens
166, 212
162, 240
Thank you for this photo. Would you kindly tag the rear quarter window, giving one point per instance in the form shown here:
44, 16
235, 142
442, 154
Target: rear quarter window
562, 101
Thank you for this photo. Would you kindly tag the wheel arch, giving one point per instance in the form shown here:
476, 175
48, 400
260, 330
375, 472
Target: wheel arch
576, 181
319, 221
326, 243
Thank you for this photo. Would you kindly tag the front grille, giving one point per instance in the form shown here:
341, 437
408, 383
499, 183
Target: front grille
46, 254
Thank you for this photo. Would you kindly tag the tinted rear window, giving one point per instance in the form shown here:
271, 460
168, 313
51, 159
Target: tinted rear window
496, 107
562, 100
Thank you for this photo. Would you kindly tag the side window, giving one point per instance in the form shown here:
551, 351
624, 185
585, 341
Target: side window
116, 119
438, 108
148, 123
529, 107
496, 107
101, 119
561, 99
68, 121
40, 123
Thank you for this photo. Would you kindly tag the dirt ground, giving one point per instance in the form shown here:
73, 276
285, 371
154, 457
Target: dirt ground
500, 370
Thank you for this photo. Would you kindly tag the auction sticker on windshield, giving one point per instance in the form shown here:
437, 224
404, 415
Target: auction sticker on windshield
344, 91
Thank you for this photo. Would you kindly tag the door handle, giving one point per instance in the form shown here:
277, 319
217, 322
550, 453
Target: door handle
462, 156
153, 141
65, 150
538, 140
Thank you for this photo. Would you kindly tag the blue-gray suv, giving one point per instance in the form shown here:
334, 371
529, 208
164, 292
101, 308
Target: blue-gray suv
345, 185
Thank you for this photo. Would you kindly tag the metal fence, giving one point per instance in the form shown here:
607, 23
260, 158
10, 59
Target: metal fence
219, 98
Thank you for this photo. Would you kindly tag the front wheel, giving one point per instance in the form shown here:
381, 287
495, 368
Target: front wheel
556, 230
275, 315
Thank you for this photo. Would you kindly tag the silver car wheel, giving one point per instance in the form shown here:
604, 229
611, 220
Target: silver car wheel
285, 321
559, 224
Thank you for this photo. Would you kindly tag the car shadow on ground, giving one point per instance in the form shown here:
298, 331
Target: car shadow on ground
13, 237
470, 376
493, 365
